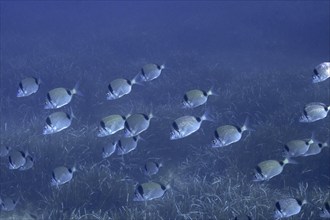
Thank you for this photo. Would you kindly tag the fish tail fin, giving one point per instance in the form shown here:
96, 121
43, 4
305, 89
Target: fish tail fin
74, 168
312, 138
289, 160
162, 66
212, 92
139, 138
135, 80
72, 115
76, 90
207, 116
246, 125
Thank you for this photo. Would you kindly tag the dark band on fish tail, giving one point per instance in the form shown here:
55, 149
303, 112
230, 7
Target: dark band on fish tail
36, 80
239, 129
162, 187
146, 117
69, 92
68, 116
299, 202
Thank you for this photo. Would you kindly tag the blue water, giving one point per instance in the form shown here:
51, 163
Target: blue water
258, 56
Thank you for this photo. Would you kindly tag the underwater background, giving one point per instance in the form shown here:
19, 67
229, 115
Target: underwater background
258, 57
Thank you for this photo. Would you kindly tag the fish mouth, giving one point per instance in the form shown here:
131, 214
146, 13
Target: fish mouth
174, 135
102, 133
47, 130
111, 96
257, 178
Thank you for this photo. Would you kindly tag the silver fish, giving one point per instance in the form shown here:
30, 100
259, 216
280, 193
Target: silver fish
126, 145
297, 148
321, 72
59, 97
149, 191
196, 97
28, 164
8, 204
288, 207
228, 134
315, 148
314, 111
28, 86
120, 87
57, 122
111, 124
61, 175
108, 150
151, 168
186, 125
270, 168
151, 71
136, 124
325, 211
16, 159
4, 150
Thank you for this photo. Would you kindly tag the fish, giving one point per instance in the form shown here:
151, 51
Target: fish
187, 125
111, 124
196, 97
151, 168
62, 175
120, 87
321, 72
16, 159
28, 163
59, 97
57, 122
288, 207
149, 191
151, 71
127, 144
313, 112
268, 169
28, 86
315, 148
4, 150
8, 204
325, 210
136, 124
297, 148
108, 150
229, 134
